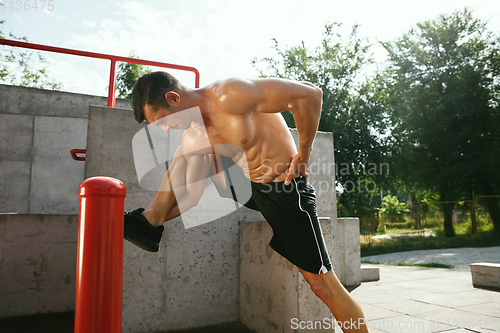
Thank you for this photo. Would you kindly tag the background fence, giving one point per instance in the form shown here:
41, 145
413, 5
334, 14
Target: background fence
469, 216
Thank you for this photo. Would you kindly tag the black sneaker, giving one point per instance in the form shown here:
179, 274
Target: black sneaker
140, 232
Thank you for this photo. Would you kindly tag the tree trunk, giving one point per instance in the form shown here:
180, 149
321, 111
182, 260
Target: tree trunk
492, 206
447, 206
414, 211
448, 219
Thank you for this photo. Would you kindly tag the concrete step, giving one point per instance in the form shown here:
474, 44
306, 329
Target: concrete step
369, 273
485, 275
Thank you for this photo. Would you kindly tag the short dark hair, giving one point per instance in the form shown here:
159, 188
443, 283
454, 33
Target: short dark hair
151, 89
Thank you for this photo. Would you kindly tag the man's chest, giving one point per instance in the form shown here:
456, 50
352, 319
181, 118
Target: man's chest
234, 130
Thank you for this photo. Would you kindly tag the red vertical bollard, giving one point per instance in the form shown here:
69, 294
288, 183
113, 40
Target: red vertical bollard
99, 276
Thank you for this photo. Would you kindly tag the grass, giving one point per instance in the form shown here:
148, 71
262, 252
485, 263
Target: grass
431, 264
402, 244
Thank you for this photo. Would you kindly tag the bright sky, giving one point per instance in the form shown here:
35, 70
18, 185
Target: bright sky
218, 37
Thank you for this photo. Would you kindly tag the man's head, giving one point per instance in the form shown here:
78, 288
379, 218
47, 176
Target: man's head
151, 89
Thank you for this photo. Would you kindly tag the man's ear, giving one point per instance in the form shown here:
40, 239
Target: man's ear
172, 97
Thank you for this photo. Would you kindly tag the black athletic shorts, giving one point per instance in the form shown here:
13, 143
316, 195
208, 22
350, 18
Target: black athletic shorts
290, 210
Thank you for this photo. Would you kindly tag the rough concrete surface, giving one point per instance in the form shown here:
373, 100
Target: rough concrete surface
37, 263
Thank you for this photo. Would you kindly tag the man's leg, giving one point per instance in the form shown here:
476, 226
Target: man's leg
181, 188
344, 308
165, 199
144, 228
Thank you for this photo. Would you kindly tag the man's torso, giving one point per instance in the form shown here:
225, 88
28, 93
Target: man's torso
260, 143
264, 137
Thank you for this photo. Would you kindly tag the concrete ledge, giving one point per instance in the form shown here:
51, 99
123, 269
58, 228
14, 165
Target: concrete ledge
272, 290
485, 275
349, 251
369, 273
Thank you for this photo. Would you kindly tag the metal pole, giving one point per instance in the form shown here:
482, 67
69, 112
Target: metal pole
99, 279
112, 84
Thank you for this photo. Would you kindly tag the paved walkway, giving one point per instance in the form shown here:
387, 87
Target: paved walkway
460, 258
428, 300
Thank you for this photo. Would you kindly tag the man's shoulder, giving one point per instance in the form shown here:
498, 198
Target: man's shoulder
233, 95
231, 84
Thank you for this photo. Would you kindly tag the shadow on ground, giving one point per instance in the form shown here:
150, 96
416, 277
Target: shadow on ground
64, 323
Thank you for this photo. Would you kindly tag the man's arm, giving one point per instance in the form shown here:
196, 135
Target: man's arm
303, 99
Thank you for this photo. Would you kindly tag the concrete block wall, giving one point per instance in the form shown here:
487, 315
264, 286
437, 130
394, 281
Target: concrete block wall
37, 263
193, 280
39, 196
38, 128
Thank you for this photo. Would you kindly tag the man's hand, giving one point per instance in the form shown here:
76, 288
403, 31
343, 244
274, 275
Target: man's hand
298, 165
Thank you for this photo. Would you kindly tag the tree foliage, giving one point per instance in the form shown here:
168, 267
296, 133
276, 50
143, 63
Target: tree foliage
443, 86
16, 66
391, 206
127, 76
352, 108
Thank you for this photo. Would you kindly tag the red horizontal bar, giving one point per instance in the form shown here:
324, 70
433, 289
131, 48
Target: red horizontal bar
101, 56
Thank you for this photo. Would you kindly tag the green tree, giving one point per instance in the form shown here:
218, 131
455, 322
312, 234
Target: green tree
16, 66
352, 109
392, 207
127, 76
443, 85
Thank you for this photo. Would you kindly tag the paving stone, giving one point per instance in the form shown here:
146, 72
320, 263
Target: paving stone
452, 301
373, 312
410, 307
407, 324
490, 309
464, 319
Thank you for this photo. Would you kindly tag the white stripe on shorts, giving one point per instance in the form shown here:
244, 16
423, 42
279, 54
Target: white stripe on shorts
323, 268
